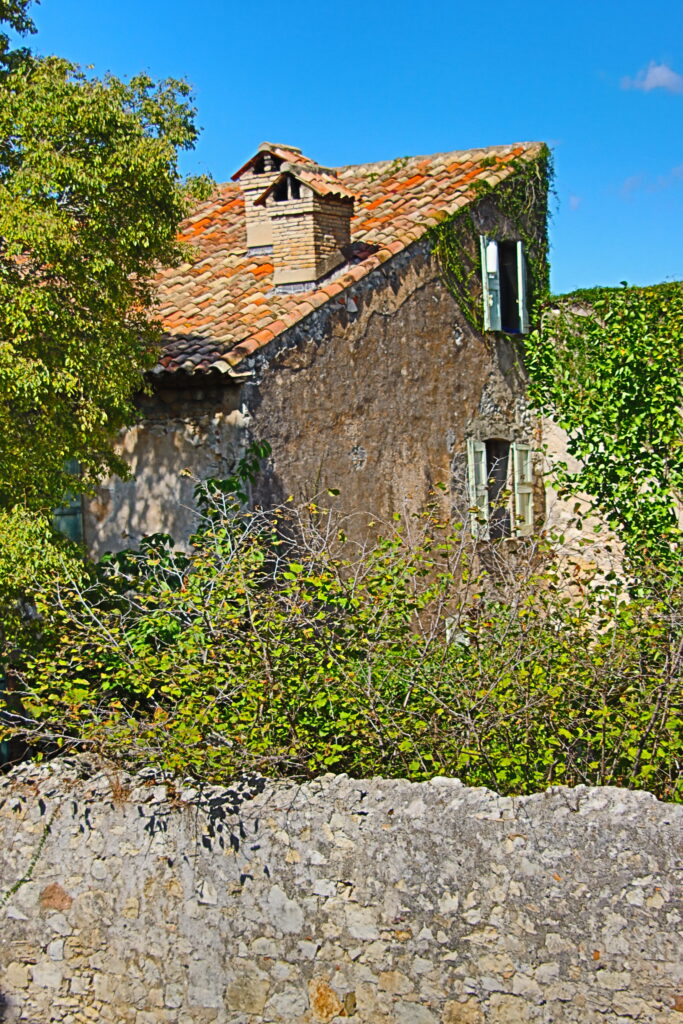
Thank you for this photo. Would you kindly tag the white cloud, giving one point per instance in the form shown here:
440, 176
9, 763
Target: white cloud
575, 202
655, 76
638, 182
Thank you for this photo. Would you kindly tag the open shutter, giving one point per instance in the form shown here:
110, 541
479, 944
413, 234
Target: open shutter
478, 487
521, 290
523, 486
490, 278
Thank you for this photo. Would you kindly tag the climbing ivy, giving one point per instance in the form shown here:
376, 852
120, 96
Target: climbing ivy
607, 365
522, 199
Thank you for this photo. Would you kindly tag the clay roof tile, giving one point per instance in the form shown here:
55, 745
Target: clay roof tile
223, 306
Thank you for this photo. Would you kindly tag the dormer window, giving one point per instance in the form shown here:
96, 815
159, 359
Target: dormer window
287, 188
503, 271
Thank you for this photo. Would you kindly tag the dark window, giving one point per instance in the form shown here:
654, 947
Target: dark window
286, 188
280, 192
266, 162
509, 288
504, 285
501, 488
497, 465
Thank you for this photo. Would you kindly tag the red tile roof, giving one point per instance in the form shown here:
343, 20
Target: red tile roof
221, 307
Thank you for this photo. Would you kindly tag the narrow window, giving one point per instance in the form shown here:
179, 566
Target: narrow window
504, 283
287, 188
266, 163
68, 517
497, 465
499, 471
509, 288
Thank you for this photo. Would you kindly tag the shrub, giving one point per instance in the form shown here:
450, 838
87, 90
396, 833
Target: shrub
275, 645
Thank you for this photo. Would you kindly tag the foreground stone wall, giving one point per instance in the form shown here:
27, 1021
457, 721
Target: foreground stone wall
375, 902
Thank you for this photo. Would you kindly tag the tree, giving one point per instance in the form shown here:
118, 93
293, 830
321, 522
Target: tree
14, 14
90, 201
607, 365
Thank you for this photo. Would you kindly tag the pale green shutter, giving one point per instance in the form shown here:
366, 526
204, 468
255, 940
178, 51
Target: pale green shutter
523, 486
477, 476
490, 279
521, 290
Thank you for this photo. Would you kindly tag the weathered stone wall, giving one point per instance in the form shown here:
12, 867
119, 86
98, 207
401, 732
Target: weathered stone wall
374, 902
186, 435
375, 394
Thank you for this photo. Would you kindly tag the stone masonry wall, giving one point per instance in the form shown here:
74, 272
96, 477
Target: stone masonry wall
374, 902
375, 394
186, 435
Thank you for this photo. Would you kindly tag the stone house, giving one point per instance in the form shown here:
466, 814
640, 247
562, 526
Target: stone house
316, 315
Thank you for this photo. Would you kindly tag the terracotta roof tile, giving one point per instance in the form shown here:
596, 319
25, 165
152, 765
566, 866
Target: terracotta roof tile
222, 306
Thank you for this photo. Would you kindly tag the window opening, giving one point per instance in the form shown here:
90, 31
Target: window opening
497, 465
265, 163
280, 192
68, 517
504, 285
287, 188
509, 288
501, 486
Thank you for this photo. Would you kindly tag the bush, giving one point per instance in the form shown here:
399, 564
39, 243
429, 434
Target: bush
275, 645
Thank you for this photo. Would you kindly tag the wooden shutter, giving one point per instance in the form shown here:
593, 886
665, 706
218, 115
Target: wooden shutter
490, 278
477, 476
522, 304
523, 487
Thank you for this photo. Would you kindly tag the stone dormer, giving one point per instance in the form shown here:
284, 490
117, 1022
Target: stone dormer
255, 177
310, 215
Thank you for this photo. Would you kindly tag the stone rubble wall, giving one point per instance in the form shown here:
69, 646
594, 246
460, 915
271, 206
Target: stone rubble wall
124, 900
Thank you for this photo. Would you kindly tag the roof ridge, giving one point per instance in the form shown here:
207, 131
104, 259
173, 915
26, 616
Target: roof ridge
506, 147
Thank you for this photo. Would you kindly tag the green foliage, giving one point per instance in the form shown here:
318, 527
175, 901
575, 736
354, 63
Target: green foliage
90, 202
607, 365
522, 200
14, 14
274, 645
31, 555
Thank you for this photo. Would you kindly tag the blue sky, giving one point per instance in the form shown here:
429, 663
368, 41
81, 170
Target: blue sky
600, 80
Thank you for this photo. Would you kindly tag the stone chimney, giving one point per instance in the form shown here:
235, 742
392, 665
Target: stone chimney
310, 212
255, 177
